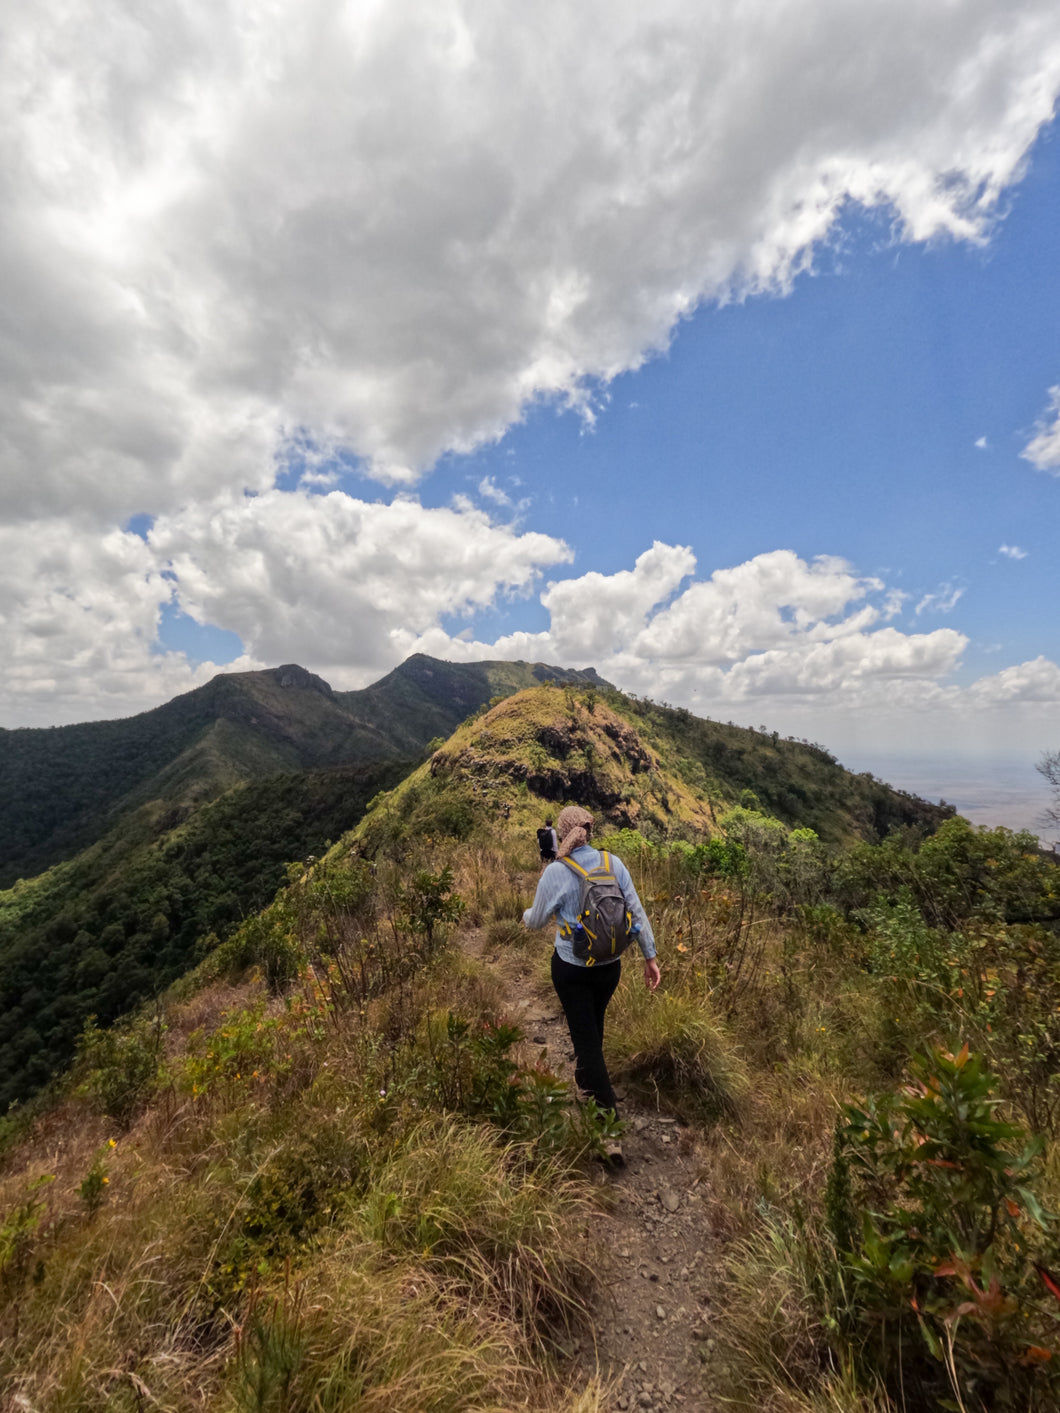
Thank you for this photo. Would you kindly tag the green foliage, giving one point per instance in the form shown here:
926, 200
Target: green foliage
941, 1295
627, 843
472, 1072
429, 904
122, 1066
960, 872
250, 1051
16, 1237
93, 1188
268, 941
106, 932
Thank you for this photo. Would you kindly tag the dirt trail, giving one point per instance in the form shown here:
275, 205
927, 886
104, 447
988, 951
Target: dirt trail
652, 1342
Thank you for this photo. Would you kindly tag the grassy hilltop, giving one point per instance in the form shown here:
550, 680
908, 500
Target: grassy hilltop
328, 1174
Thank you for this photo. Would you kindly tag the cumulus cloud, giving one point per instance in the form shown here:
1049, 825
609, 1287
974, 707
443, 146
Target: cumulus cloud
347, 582
776, 630
79, 616
1037, 681
1043, 450
247, 246
1012, 552
350, 588
391, 228
341, 584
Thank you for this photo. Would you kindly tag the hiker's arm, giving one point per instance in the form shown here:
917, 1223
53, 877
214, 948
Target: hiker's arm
548, 897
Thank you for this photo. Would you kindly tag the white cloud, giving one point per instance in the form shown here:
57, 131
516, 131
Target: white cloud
391, 228
1012, 552
981, 443
1037, 681
241, 240
1043, 450
350, 588
489, 490
344, 585
78, 619
943, 600
773, 630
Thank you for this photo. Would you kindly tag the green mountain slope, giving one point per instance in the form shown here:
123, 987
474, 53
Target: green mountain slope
198, 840
62, 788
176, 824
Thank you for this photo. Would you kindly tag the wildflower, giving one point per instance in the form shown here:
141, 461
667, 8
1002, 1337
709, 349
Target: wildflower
106, 1179
111, 1143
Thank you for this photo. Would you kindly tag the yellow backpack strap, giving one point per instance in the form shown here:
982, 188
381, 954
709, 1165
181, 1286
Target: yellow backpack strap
605, 862
575, 866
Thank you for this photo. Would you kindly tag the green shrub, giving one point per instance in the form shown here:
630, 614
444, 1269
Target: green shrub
429, 904
93, 1188
937, 1228
269, 941
17, 1228
123, 1066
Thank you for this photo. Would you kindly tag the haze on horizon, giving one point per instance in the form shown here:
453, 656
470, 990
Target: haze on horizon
713, 347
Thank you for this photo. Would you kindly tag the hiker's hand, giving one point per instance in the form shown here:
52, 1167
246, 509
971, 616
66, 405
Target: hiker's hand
651, 974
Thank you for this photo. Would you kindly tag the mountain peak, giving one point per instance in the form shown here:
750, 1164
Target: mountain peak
291, 675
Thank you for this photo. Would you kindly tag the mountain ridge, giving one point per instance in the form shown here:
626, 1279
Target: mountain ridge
62, 787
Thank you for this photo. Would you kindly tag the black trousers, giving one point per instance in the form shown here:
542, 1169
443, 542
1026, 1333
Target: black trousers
584, 993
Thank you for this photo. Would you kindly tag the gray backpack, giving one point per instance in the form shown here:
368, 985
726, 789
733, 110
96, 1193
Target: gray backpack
604, 928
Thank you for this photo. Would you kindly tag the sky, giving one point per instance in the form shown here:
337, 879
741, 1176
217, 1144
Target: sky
713, 346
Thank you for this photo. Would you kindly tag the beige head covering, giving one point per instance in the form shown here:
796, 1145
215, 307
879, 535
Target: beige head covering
573, 827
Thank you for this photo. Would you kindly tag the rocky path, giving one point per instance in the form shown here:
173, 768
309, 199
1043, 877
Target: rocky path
651, 1341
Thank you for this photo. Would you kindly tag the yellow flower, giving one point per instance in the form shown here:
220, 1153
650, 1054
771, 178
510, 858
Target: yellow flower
106, 1179
111, 1143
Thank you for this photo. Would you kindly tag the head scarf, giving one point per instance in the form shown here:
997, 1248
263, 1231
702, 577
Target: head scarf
573, 826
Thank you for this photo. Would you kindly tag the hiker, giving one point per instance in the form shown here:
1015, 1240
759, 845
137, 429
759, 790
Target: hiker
584, 984
547, 842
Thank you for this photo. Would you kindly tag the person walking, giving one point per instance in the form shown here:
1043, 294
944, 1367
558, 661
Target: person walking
547, 842
585, 989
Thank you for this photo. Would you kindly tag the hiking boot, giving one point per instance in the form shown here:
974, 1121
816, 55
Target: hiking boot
612, 1154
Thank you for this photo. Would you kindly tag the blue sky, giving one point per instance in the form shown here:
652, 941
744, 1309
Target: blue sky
841, 419
717, 353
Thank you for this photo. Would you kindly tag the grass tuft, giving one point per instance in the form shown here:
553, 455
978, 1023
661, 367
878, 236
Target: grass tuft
668, 1046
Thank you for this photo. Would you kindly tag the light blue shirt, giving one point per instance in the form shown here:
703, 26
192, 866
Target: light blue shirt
559, 893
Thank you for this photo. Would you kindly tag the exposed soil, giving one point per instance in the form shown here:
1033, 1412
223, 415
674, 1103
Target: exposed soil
651, 1340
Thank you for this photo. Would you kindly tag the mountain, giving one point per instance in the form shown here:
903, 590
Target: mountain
63, 787
187, 815
638, 765
168, 828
